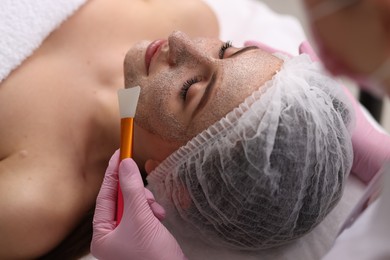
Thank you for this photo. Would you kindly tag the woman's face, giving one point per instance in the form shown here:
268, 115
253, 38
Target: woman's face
187, 85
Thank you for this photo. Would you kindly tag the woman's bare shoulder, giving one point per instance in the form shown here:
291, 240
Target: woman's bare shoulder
33, 216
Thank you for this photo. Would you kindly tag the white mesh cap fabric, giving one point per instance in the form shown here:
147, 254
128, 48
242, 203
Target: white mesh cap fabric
269, 171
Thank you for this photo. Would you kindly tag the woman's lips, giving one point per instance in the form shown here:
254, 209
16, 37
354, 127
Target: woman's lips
151, 51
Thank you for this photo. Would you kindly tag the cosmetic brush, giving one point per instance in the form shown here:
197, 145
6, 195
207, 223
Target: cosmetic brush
128, 99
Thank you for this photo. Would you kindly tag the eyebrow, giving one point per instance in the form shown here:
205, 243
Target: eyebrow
210, 86
206, 94
243, 50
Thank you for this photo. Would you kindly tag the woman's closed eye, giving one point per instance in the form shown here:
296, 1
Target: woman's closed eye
186, 86
223, 49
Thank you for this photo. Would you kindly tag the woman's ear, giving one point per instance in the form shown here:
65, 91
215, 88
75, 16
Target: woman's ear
150, 165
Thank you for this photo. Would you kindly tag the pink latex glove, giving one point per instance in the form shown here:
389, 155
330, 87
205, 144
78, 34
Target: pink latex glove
370, 146
140, 234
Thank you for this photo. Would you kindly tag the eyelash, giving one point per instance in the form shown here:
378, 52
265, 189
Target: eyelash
224, 47
194, 80
187, 85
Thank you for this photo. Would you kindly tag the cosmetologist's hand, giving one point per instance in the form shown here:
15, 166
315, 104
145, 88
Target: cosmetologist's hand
140, 234
371, 146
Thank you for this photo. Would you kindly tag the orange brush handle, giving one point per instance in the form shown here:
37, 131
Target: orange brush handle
126, 151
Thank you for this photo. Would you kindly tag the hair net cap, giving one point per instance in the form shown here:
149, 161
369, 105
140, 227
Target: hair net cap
270, 170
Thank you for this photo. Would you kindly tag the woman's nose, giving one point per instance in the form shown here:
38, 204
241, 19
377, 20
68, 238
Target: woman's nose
182, 50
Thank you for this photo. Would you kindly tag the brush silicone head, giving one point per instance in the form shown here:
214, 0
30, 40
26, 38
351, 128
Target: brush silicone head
128, 99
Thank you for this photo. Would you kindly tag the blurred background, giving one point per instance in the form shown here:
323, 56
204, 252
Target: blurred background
380, 109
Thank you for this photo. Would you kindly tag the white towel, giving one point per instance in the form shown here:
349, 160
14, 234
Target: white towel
24, 24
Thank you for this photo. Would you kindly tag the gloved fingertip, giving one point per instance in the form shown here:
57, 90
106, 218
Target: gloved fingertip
304, 43
303, 47
129, 176
128, 165
112, 168
114, 160
306, 48
158, 211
